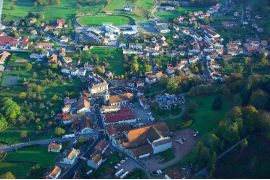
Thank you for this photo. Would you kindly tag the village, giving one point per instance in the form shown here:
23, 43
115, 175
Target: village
114, 114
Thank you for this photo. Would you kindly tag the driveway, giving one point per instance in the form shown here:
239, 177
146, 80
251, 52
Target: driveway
180, 150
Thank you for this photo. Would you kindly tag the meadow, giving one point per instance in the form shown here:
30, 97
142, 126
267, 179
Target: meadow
21, 162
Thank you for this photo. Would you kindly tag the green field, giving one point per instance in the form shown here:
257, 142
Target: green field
115, 5
113, 56
252, 161
20, 162
99, 20
206, 119
66, 9
166, 15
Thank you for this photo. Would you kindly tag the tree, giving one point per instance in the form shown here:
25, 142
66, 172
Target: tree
22, 95
59, 131
24, 134
10, 109
259, 99
217, 103
28, 66
7, 175
3, 123
172, 85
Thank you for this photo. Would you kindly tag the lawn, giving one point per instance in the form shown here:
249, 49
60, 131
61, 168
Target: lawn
252, 161
166, 155
146, 4
113, 56
115, 5
206, 119
166, 15
99, 20
20, 162
66, 9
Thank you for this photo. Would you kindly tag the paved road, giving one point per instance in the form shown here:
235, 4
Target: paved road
38, 142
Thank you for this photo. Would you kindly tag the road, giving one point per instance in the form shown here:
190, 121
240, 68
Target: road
155, 9
73, 169
31, 143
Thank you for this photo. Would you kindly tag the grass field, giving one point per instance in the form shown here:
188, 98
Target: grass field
99, 20
115, 5
111, 55
251, 162
65, 9
166, 15
20, 162
206, 119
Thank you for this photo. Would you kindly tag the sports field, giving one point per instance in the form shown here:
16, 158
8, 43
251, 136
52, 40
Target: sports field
99, 20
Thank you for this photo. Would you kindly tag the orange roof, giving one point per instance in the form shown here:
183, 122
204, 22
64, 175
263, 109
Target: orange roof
55, 171
120, 98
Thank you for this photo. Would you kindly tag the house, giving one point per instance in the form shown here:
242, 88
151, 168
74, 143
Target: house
8, 41
4, 56
99, 88
95, 160
109, 109
53, 59
147, 140
67, 59
140, 83
54, 147
120, 100
71, 156
123, 116
46, 46
143, 102
128, 9
66, 118
83, 105
60, 23
102, 146
174, 174
55, 173
84, 126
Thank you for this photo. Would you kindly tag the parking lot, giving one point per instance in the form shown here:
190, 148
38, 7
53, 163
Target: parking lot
180, 150
142, 115
127, 164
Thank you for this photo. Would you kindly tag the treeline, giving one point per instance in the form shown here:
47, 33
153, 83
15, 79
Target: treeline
250, 91
45, 2
203, 3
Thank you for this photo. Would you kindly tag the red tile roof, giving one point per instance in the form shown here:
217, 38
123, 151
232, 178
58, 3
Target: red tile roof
4, 40
124, 114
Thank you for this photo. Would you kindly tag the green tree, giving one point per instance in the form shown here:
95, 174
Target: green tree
28, 66
259, 99
24, 134
7, 175
10, 109
59, 131
3, 123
